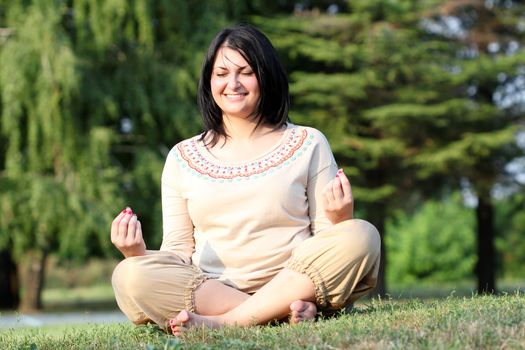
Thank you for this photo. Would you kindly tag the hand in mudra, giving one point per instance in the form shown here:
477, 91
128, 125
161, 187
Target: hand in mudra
126, 234
338, 200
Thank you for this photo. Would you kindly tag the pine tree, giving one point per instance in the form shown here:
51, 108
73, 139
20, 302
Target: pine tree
489, 63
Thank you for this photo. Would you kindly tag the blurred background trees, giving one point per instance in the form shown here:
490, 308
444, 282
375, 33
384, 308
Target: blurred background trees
422, 248
421, 100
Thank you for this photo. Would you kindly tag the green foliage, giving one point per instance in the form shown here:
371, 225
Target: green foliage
435, 244
38, 80
58, 184
42, 213
145, 193
464, 155
144, 67
510, 221
71, 73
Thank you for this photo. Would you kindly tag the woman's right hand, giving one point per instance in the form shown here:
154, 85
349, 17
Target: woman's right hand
126, 234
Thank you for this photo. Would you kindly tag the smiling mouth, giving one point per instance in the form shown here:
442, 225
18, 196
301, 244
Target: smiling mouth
236, 95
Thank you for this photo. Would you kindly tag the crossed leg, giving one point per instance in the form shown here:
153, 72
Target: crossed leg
287, 291
215, 298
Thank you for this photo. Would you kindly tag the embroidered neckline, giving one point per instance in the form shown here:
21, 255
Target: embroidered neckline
192, 158
206, 153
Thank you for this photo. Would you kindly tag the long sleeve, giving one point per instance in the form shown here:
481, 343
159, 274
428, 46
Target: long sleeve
177, 225
323, 169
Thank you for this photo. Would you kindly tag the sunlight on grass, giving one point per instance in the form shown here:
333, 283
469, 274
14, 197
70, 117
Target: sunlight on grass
57, 331
433, 290
454, 322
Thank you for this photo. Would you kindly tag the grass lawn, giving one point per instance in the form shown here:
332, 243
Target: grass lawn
482, 322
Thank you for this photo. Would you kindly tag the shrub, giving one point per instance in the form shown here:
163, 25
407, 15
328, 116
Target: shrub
435, 244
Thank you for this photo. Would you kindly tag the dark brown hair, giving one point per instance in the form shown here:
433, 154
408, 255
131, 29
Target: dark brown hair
262, 57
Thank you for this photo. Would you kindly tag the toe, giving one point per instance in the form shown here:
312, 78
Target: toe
298, 306
177, 330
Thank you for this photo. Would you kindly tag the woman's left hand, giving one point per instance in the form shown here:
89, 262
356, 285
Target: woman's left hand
338, 199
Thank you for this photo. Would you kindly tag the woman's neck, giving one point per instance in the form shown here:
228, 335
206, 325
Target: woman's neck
241, 130
245, 140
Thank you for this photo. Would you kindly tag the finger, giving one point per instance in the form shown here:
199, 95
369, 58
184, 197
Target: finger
328, 192
132, 228
115, 224
123, 225
337, 189
345, 184
138, 233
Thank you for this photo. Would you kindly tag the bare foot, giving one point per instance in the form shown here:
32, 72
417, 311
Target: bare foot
186, 320
302, 311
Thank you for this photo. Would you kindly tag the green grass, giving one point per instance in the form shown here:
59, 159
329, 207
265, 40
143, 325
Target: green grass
465, 288
479, 322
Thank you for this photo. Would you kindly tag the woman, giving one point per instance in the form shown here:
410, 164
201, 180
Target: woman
257, 220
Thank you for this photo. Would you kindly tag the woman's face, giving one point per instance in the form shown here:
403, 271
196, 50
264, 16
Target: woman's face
234, 85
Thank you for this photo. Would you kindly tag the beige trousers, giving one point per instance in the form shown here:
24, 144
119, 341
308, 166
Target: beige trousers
342, 262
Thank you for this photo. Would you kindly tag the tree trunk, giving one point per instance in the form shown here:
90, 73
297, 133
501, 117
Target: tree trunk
32, 277
486, 265
378, 218
9, 297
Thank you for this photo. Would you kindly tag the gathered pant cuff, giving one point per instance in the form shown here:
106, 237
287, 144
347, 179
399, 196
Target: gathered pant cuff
341, 261
189, 295
321, 293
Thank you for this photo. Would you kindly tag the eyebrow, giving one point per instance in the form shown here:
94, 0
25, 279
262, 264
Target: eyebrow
224, 68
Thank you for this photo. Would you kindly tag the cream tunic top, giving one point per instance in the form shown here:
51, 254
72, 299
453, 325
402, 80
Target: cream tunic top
239, 222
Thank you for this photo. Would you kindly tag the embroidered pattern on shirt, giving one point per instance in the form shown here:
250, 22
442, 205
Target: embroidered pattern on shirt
192, 159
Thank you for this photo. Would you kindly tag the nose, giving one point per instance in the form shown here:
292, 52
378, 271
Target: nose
233, 82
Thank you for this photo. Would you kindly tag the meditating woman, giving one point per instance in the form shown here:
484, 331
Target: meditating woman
257, 219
